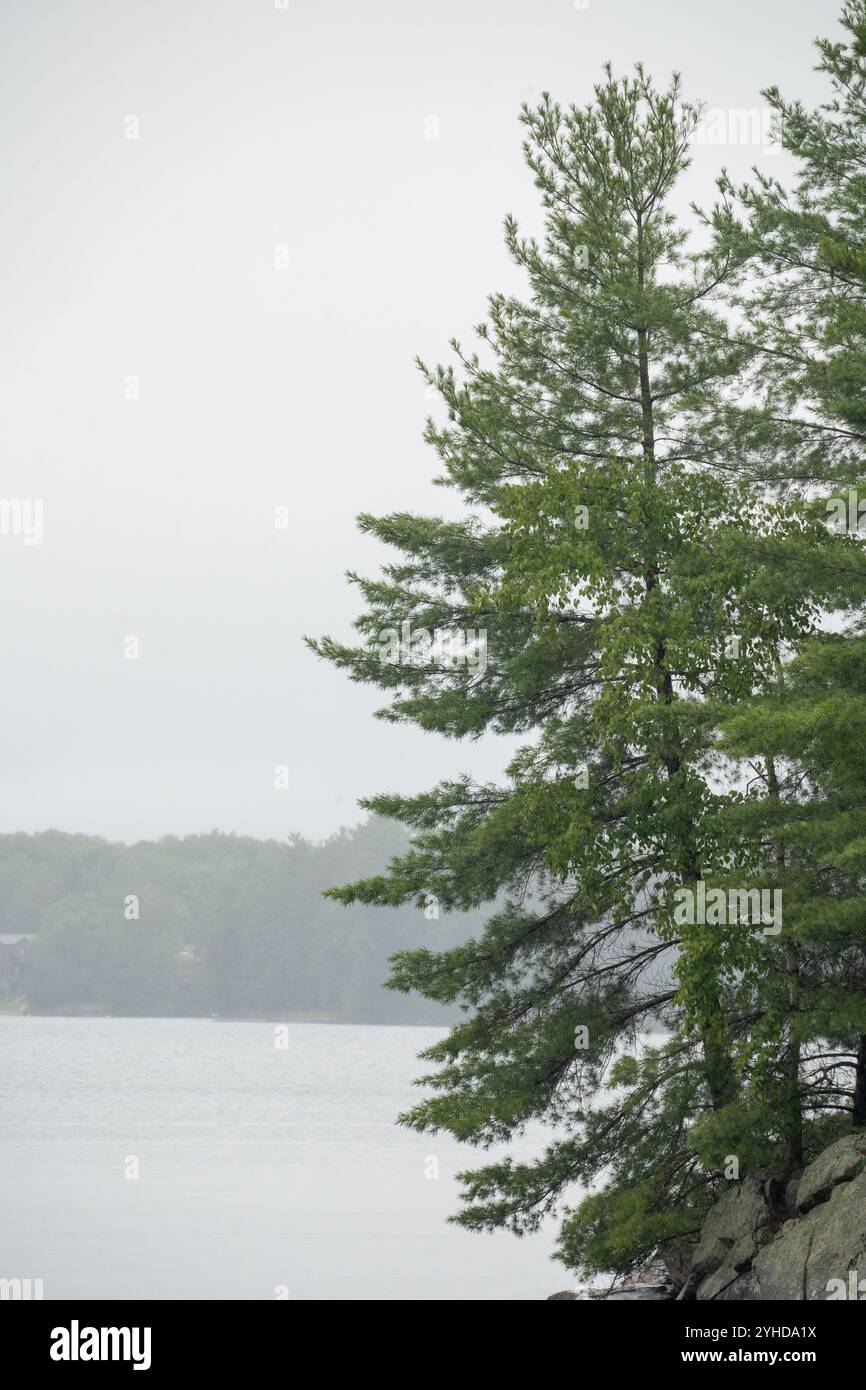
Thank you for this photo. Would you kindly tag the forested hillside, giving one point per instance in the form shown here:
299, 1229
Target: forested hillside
208, 924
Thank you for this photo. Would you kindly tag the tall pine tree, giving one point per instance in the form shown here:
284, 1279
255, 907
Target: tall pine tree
607, 487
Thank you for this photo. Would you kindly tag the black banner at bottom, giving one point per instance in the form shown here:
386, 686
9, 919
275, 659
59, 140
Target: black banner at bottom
156, 1339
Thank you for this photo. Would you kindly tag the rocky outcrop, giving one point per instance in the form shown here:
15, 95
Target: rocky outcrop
803, 1244
805, 1241
649, 1284
736, 1228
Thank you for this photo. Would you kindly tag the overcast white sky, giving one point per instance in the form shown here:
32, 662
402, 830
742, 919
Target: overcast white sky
305, 127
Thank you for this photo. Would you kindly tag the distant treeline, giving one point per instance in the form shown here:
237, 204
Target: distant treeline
210, 924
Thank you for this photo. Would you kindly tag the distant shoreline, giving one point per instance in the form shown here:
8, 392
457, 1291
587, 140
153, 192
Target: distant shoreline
8, 1010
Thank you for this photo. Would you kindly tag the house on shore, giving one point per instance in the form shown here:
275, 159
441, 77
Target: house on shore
12, 946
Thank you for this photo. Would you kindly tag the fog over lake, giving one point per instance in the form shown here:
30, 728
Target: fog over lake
260, 1166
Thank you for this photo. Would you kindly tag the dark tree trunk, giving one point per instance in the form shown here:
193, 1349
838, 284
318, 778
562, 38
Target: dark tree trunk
858, 1115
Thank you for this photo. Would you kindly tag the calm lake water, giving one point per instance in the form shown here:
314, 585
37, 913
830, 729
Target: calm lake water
258, 1167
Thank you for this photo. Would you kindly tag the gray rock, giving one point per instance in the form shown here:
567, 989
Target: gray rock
717, 1283
838, 1238
791, 1192
741, 1290
734, 1230
748, 1250
842, 1162
781, 1266
649, 1292
676, 1257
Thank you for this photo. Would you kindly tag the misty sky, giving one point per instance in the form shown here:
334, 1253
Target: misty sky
148, 264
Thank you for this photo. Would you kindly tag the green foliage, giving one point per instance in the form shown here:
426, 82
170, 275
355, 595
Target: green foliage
619, 1229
